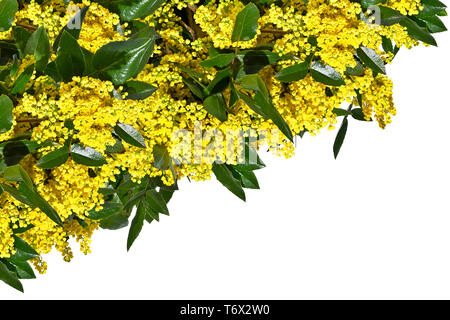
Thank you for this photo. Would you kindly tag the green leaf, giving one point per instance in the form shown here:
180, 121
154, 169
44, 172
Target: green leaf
108, 209
17, 195
358, 114
8, 9
114, 222
24, 251
138, 90
136, 225
6, 116
255, 60
371, 59
116, 148
39, 46
31, 195
246, 25
156, 202
23, 269
22, 80
136, 9
220, 82
434, 24
431, 8
226, 177
220, 61
73, 26
9, 277
130, 135
18, 174
272, 113
390, 17
21, 36
248, 179
326, 74
215, 105
71, 59
340, 138
54, 159
251, 160
122, 60
161, 157
87, 156
294, 73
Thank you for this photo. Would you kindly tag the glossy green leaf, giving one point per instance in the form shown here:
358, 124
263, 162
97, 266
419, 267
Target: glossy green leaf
87, 156
122, 60
225, 176
71, 60
246, 24
73, 26
54, 159
9, 277
32, 195
371, 59
23, 269
156, 202
136, 9
24, 251
220, 60
138, 90
340, 138
136, 225
130, 135
294, 73
326, 74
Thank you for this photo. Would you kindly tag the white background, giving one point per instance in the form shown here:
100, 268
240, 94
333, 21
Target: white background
373, 224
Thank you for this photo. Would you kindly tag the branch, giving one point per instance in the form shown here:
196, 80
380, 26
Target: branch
31, 120
274, 31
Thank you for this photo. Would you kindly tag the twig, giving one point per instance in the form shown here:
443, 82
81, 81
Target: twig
274, 31
31, 120
26, 26
188, 28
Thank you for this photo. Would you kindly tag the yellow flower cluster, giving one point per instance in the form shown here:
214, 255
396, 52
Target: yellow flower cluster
326, 30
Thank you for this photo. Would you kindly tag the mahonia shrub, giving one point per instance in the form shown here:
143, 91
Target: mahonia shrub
105, 105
